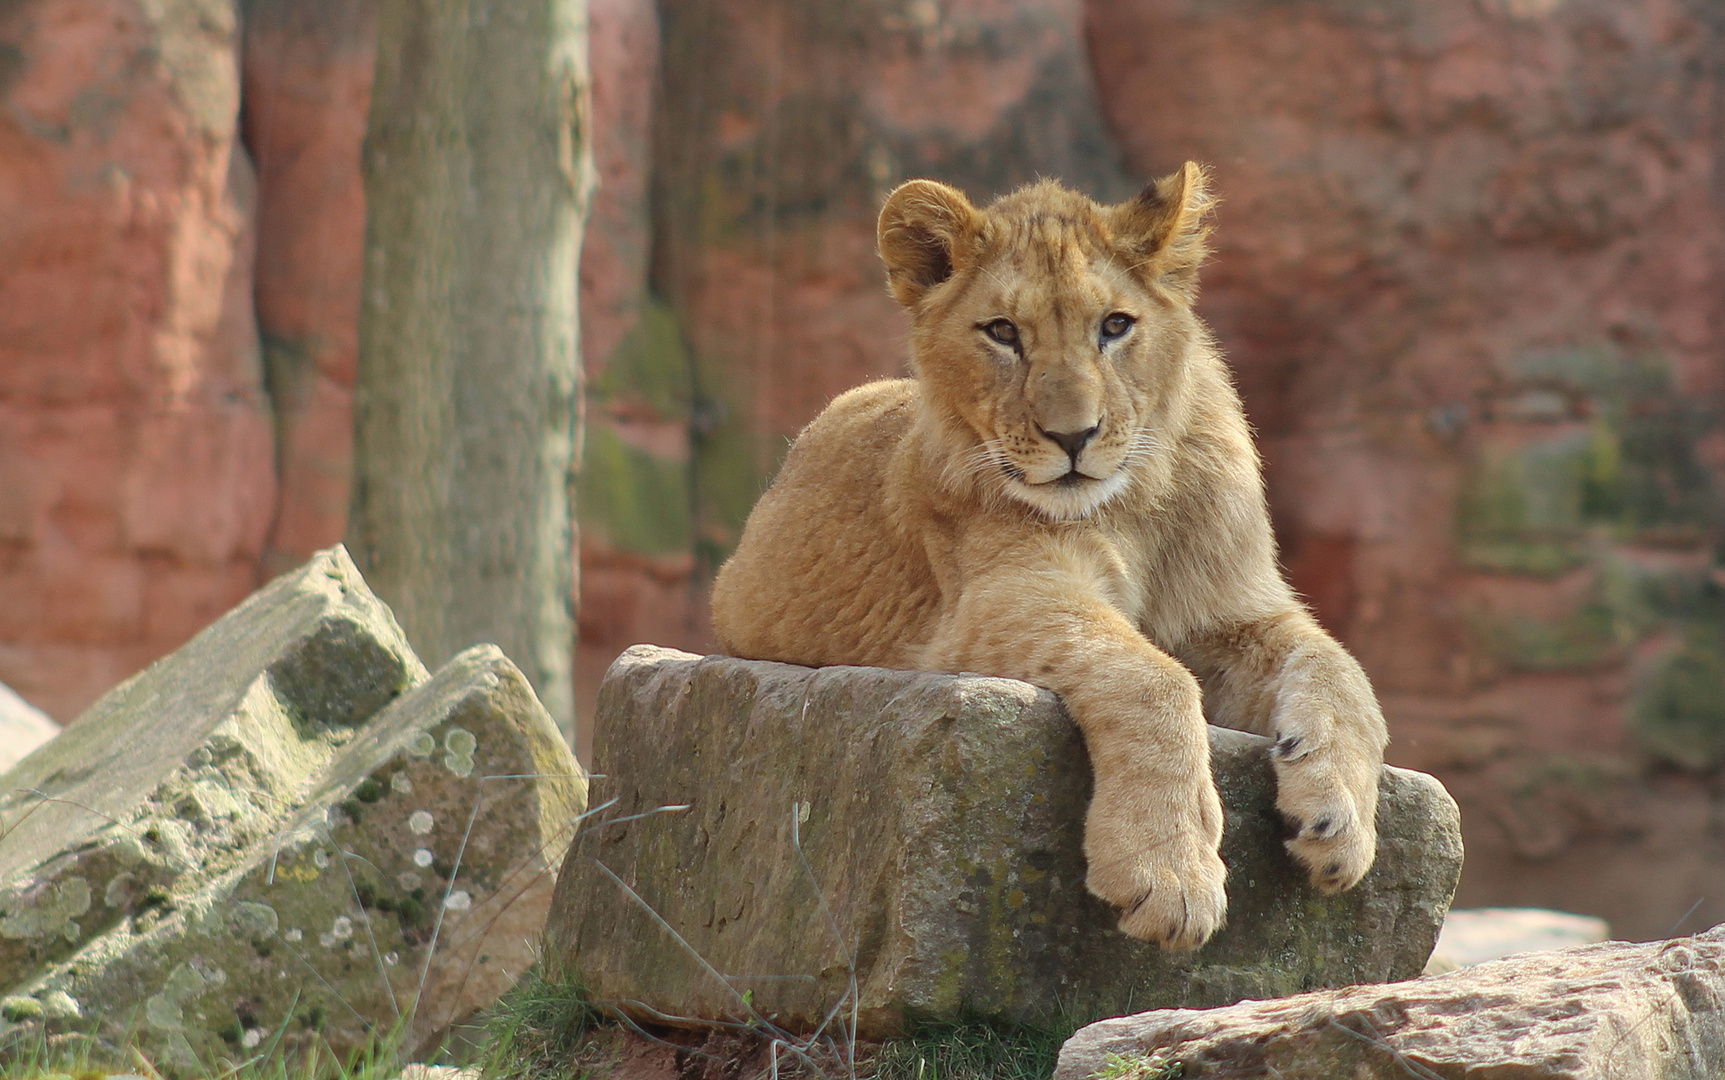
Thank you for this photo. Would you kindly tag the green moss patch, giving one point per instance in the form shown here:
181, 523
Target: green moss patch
635, 501
1679, 712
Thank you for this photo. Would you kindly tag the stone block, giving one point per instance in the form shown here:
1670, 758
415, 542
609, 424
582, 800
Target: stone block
183, 767
419, 869
1616, 1010
779, 843
303, 839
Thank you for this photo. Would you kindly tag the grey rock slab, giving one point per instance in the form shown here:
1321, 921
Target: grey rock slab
1611, 1011
182, 768
23, 728
420, 868
784, 844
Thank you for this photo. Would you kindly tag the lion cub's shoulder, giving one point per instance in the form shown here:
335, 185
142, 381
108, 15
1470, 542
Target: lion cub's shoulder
886, 400
859, 428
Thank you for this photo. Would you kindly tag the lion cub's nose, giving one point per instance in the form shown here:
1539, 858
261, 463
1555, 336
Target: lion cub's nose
1071, 441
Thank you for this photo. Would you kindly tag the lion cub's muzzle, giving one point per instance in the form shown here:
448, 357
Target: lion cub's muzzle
1075, 470
1073, 442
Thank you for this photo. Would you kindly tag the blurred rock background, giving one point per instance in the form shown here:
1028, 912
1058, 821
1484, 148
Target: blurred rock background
1469, 269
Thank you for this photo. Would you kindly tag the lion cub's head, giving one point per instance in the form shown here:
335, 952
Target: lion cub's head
1051, 329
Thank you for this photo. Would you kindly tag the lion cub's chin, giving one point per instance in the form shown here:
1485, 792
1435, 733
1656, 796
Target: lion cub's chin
1063, 499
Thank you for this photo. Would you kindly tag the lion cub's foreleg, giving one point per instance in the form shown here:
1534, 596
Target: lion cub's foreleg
1286, 678
1155, 821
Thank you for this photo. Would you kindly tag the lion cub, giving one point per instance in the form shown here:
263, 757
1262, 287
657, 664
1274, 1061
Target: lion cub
1066, 492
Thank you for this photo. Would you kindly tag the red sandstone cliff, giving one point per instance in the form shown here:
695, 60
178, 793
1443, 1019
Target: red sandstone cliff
136, 486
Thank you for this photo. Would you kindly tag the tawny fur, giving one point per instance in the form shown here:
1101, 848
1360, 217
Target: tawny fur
936, 523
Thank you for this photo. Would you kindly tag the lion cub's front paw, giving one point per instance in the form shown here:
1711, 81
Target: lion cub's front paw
1167, 883
1328, 795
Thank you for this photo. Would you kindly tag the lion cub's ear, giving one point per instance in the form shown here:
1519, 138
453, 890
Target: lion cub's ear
926, 229
1166, 227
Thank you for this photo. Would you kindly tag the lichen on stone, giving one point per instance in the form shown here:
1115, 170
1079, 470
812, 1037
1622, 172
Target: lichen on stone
46, 909
459, 745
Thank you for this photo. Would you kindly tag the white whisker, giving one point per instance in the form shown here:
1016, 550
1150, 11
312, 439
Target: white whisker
977, 463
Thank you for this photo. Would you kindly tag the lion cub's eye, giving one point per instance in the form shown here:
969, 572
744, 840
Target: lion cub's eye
1116, 325
1002, 330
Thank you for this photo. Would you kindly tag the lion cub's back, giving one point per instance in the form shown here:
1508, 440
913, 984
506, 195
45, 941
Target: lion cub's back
821, 576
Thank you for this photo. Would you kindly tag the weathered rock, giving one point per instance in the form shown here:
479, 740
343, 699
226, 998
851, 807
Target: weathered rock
284, 831
915, 837
182, 768
23, 727
422, 866
1612, 1010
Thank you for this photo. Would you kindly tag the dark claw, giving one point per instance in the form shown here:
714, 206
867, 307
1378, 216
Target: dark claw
1321, 827
1286, 745
1334, 869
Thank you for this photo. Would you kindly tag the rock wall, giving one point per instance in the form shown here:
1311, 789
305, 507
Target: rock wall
307, 86
135, 481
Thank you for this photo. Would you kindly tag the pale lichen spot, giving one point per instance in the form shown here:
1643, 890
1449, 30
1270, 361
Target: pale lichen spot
127, 849
120, 888
409, 880
164, 1014
187, 981
59, 1005
421, 744
252, 1038
421, 822
253, 920
44, 910
459, 900
293, 933
400, 784
422, 857
320, 858
392, 958
459, 745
